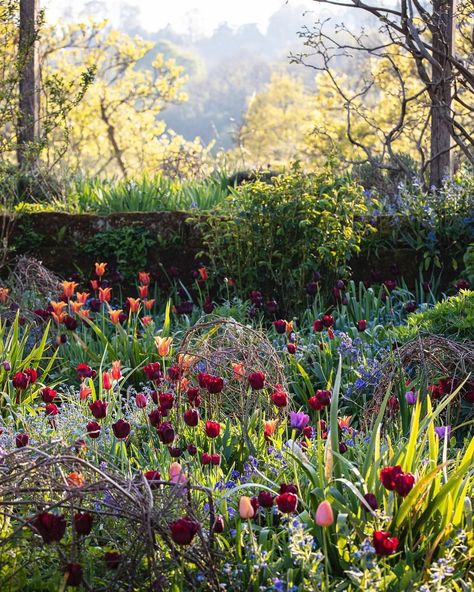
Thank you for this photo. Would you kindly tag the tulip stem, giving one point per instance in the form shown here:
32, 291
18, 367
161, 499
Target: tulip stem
326, 560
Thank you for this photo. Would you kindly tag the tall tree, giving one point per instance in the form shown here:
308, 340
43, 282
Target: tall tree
29, 84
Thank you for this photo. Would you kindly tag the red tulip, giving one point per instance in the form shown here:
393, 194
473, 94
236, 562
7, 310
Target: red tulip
112, 559
74, 574
48, 394
121, 429
22, 440
388, 476
279, 397
141, 401
361, 325
151, 477
383, 543
50, 526
256, 380
213, 429
191, 417
166, 432
206, 458
98, 409
287, 502
83, 523
93, 429
404, 484
265, 499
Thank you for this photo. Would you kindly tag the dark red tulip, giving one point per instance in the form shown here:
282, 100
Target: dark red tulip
291, 348
50, 526
166, 432
191, 448
83, 523
383, 543
371, 501
257, 380
51, 410
121, 429
21, 381
85, 371
175, 373
141, 400
265, 499
361, 325
318, 326
215, 385
175, 451
93, 429
191, 417
192, 394
166, 401
279, 397
98, 409
404, 484
112, 559
288, 488
152, 477
328, 321
183, 530
206, 458
280, 326
74, 574
22, 440
216, 459
153, 371
218, 526
154, 417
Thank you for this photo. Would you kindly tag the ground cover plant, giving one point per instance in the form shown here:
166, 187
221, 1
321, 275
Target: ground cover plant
199, 444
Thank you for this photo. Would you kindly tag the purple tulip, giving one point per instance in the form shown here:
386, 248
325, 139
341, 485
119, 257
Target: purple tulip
298, 420
410, 398
443, 431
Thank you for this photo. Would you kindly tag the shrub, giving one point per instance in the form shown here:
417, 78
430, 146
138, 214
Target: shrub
268, 235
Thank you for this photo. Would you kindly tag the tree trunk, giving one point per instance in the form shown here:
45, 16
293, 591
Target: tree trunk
441, 130
29, 100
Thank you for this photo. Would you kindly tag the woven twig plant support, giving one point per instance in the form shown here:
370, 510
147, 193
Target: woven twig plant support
429, 356
131, 517
218, 346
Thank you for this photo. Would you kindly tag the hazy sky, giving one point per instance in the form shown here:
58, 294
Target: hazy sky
204, 15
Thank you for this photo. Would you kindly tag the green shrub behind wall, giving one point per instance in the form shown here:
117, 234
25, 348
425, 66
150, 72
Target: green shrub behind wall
276, 235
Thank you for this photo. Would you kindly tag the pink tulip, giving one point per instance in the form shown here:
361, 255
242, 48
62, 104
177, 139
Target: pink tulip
245, 508
176, 473
324, 514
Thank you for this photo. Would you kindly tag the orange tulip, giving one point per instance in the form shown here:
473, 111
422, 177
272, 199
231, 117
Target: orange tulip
94, 284
76, 306
324, 514
59, 318
58, 307
100, 269
344, 421
116, 370
149, 303
143, 291
107, 380
69, 288
163, 345
4, 292
82, 297
246, 510
84, 392
203, 273
147, 320
144, 278
76, 480
239, 370
269, 428
185, 360
85, 313
105, 294
115, 316
289, 326
134, 304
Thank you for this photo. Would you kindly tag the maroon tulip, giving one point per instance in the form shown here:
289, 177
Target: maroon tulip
175, 451
121, 429
166, 401
216, 459
50, 526
183, 530
328, 321
175, 373
410, 307
93, 429
371, 501
213, 429
98, 409
166, 432
193, 394
280, 326
206, 458
191, 417
361, 326
383, 543
191, 448
215, 385
21, 381
203, 379
83, 523
152, 477
257, 380
153, 371
141, 401
22, 440
318, 326
291, 348
288, 488
85, 371
286, 502
154, 417
112, 559
265, 499
404, 484
388, 476
218, 525
48, 394
74, 574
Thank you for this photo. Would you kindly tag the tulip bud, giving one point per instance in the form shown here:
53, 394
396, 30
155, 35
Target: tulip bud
324, 514
246, 510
